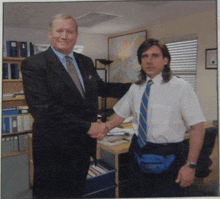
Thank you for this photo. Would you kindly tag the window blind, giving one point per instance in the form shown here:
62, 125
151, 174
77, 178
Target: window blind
184, 60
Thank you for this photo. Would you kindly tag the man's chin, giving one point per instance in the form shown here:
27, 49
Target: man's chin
64, 51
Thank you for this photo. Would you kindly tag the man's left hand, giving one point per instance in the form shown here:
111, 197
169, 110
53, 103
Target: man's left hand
186, 176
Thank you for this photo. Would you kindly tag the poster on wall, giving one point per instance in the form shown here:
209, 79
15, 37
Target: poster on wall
123, 53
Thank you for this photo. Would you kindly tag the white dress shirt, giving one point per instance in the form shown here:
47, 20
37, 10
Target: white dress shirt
173, 106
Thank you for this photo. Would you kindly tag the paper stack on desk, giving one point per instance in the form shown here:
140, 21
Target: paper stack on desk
117, 136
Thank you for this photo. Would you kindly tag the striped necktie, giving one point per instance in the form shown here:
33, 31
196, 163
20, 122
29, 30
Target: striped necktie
142, 129
73, 73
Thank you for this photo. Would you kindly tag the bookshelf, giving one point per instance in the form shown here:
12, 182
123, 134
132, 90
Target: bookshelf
12, 140
13, 85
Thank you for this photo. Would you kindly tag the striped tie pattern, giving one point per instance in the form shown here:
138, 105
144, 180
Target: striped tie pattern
73, 73
142, 129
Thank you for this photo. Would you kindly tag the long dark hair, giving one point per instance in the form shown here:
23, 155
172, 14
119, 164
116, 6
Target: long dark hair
166, 73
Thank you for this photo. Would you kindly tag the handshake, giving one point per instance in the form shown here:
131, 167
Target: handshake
98, 130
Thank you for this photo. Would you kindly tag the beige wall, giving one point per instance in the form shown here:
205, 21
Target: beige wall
95, 45
202, 26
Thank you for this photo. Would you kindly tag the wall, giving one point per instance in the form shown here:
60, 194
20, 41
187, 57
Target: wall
95, 45
202, 26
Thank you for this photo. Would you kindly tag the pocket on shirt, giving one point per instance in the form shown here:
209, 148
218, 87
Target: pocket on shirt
160, 114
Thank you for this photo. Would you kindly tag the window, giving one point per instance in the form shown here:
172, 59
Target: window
184, 60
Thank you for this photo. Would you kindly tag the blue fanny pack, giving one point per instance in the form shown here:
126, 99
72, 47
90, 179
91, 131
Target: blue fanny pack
152, 163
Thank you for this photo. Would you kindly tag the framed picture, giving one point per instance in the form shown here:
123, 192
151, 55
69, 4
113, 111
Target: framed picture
122, 50
211, 61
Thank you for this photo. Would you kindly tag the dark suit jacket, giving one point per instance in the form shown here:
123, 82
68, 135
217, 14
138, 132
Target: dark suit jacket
62, 118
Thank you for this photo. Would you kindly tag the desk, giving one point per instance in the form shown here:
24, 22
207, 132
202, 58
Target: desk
116, 151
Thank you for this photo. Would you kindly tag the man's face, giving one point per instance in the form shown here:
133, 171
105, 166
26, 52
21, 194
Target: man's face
153, 62
63, 35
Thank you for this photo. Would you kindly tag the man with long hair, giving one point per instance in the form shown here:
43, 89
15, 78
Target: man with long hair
162, 112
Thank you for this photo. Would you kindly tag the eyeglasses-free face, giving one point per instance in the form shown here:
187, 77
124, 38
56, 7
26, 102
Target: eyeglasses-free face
63, 35
153, 62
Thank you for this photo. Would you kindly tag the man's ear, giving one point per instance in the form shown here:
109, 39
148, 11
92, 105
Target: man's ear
166, 61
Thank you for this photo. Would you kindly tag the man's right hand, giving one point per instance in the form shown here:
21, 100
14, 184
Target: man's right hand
98, 130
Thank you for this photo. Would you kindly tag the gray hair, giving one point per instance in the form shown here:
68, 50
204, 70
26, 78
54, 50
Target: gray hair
62, 16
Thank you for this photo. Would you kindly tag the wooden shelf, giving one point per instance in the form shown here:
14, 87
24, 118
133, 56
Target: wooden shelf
12, 80
14, 99
15, 134
15, 59
14, 154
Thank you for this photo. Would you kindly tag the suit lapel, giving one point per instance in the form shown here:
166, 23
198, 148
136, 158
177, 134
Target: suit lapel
55, 65
86, 74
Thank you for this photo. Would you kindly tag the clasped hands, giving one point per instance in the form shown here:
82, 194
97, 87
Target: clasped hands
98, 130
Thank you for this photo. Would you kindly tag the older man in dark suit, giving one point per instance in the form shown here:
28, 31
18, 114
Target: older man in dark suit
65, 125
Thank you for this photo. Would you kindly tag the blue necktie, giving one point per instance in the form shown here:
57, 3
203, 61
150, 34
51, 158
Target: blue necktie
142, 129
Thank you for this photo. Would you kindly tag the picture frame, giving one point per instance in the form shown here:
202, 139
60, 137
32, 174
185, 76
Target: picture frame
211, 60
122, 50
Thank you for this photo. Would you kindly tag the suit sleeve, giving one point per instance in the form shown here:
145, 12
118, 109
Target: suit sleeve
115, 90
42, 102
106, 89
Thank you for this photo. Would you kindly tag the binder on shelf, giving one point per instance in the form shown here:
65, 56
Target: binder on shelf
6, 71
28, 121
6, 127
30, 49
10, 111
23, 142
7, 95
12, 48
20, 122
14, 71
23, 50
4, 49
14, 124
9, 144
15, 143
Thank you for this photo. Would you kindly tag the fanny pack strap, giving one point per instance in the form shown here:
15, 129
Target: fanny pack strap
158, 149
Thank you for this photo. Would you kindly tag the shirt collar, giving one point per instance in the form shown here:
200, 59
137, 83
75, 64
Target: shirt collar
61, 55
157, 79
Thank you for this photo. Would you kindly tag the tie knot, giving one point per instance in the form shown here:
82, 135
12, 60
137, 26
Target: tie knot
68, 58
149, 82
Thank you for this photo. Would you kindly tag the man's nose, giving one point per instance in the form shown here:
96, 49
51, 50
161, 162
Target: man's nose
64, 35
149, 59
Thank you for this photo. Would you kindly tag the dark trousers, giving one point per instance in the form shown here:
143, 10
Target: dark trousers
63, 176
152, 185
156, 185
